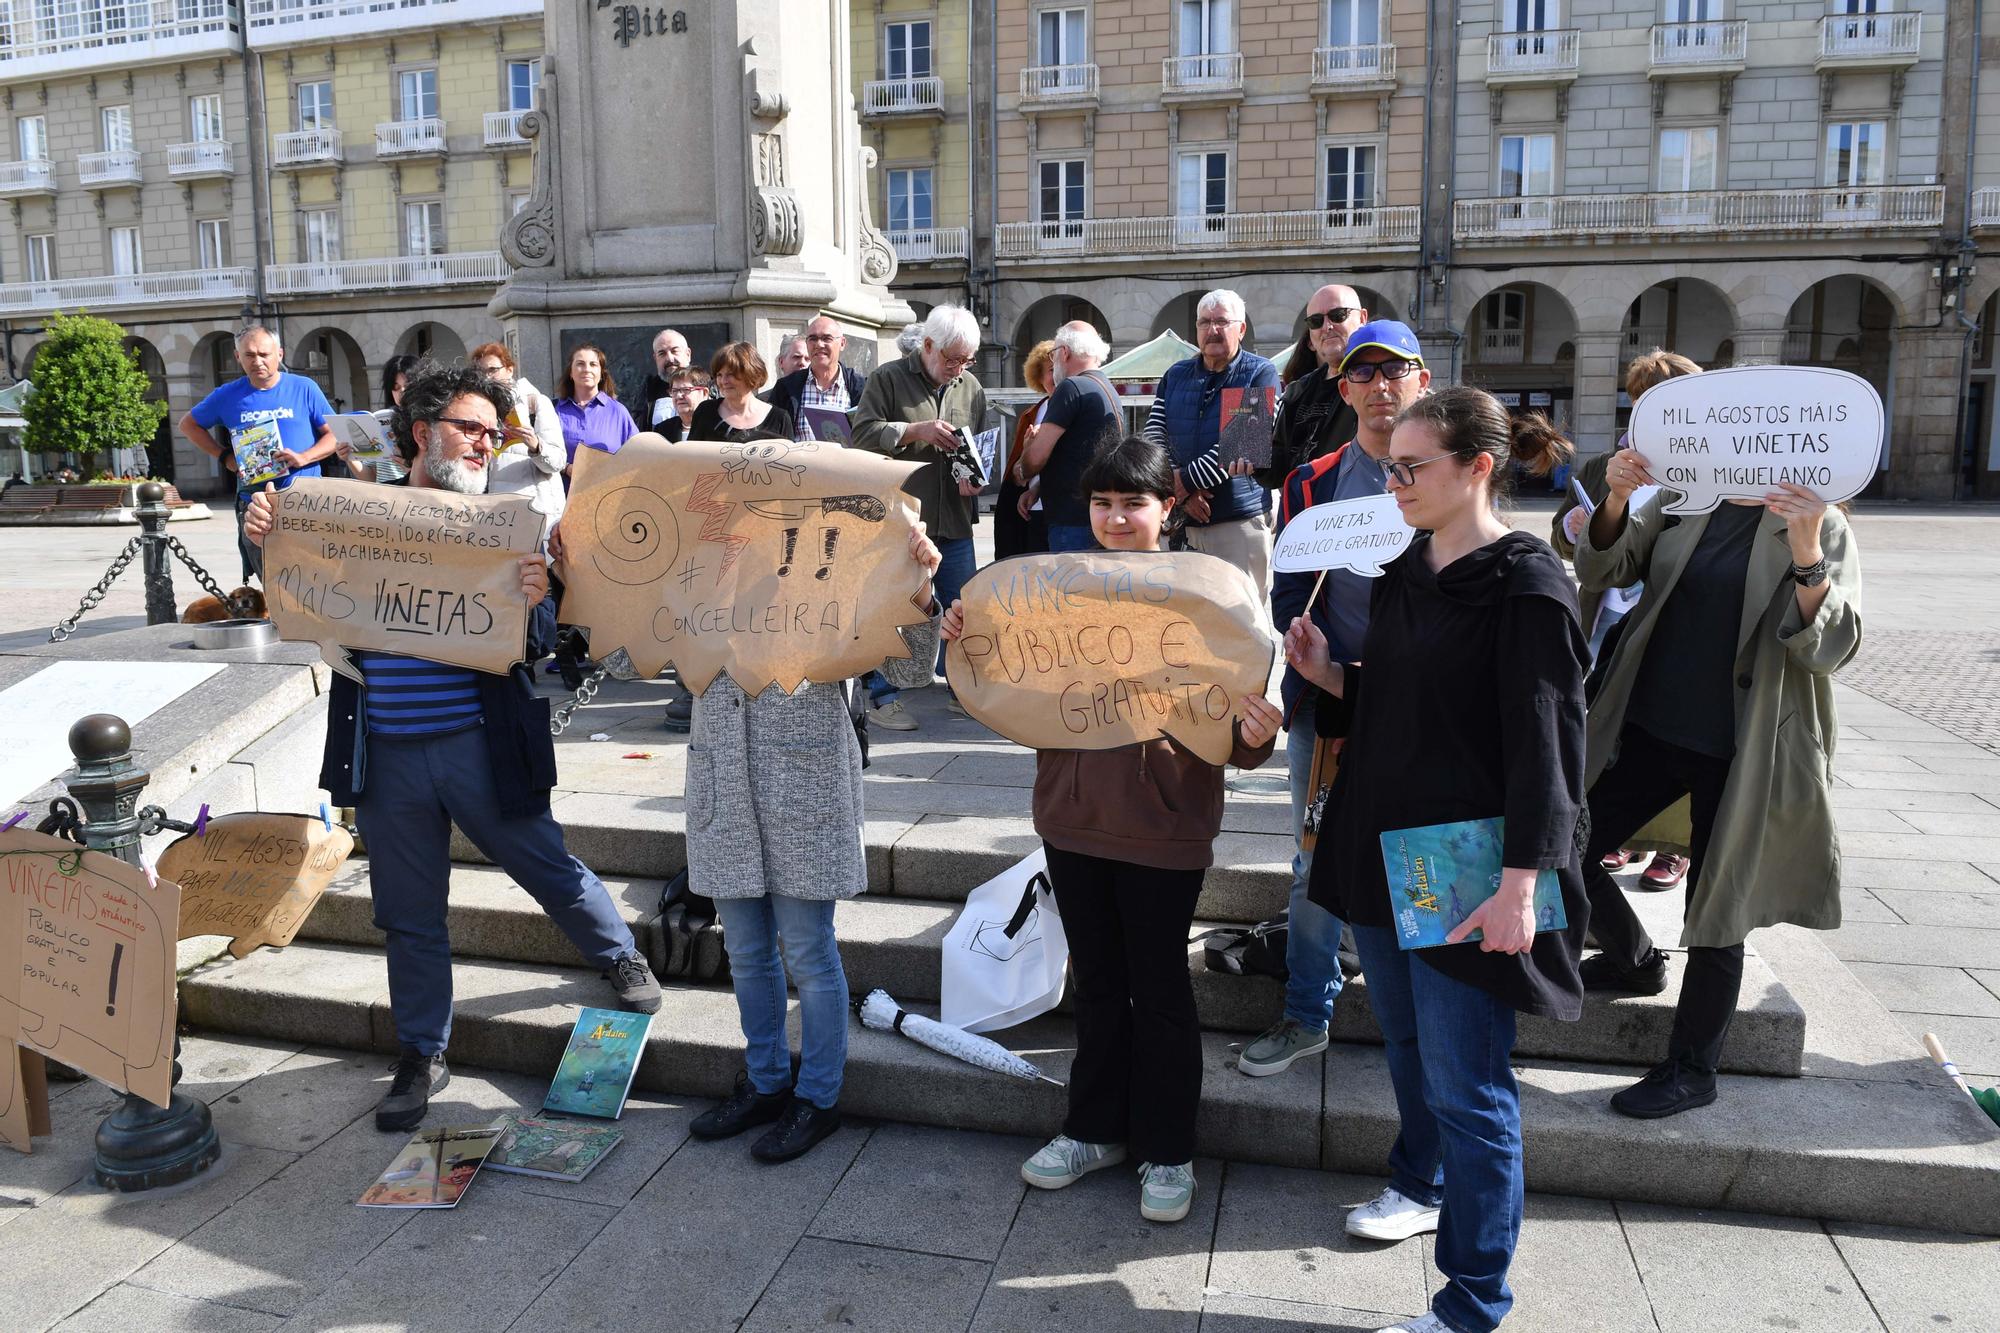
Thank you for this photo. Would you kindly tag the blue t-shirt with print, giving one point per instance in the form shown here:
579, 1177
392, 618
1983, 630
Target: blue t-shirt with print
295, 403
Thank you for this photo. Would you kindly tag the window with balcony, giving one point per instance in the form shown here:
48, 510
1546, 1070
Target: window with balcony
1204, 28
906, 50
126, 260
1863, 27
1059, 197
1062, 37
316, 105
910, 198
1527, 165
319, 236
1855, 154
1530, 15
115, 128
1503, 326
416, 94
205, 118
423, 227
1353, 23
1694, 11
1201, 192
524, 84
1687, 158
1350, 179
41, 257
211, 236
31, 136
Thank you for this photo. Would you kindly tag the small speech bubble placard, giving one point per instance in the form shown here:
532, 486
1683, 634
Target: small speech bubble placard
254, 876
1738, 434
1360, 536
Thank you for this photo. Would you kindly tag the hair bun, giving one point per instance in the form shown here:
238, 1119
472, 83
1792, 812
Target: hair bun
1535, 443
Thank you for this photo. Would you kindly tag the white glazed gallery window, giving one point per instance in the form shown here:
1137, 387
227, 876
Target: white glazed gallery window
115, 124
212, 242
1354, 22
205, 118
316, 105
1062, 37
910, 199
906, 50
416, 94
41, 257
524, 84
1350, 176
320, 236
423, 228
31, 135
126, 259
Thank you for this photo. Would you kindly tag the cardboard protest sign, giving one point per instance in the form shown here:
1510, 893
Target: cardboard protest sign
87, 962
1736, 434
423, 572
24, 1098
773, 561
1360, 535
254, 876
1093, 650
1248, 418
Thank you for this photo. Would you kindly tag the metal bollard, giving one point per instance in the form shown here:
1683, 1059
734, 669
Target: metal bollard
152, 513
140, 1146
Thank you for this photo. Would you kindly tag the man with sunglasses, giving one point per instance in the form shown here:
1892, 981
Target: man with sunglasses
421, 746
1313, 419
1379, 372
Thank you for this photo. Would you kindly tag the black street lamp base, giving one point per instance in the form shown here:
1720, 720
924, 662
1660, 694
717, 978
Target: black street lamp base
141, 1146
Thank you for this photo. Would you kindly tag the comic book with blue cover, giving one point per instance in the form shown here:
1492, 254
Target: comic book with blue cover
598, 1065
1439, 875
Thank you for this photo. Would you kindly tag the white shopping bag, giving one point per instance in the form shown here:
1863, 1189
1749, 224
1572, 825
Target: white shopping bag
1005, 955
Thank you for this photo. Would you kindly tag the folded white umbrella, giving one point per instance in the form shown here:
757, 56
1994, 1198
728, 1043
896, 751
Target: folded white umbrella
881, 1012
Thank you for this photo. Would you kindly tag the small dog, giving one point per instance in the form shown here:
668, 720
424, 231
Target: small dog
246, 603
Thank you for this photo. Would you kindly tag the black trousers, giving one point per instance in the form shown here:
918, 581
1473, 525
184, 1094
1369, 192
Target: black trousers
1137, 1076
1650, 775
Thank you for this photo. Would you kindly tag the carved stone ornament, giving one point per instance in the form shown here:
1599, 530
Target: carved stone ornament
776, 225
528, 239
878, 257
762, 84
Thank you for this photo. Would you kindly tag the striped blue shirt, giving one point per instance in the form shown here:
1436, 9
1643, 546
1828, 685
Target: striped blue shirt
409, 696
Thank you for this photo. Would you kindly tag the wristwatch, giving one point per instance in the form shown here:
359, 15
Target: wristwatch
1809, 576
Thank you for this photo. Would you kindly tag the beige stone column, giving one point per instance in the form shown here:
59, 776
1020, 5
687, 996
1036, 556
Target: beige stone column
1594, 420
1923, 414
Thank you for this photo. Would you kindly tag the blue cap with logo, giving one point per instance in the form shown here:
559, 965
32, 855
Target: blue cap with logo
1389, 335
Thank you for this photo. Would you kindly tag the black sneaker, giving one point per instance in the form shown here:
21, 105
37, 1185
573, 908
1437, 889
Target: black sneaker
680, 711
418, 1077
801, 1126
1669, 1089
1601, 972
638, 989
745, 1107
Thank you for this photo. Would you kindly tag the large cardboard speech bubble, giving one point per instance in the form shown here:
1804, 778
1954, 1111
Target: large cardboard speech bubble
773, 561
87, 957
254, 876
419, 571
1359, 535
1091, 650
1736, 434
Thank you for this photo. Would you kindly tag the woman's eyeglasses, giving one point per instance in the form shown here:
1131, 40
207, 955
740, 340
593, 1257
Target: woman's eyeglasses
1405, 474
1363, 371
1338, 315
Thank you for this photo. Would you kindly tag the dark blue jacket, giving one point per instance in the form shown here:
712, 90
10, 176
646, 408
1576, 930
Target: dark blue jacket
1188, 409
1302, 490
515, 718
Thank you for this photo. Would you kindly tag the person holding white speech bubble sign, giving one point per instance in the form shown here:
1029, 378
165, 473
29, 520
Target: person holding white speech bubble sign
1359, 536
1720, 689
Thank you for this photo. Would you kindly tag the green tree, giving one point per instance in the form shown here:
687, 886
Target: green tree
90, 395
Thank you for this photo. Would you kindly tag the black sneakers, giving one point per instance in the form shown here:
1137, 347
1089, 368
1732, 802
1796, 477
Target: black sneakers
1601, 972
1671, 1087
745, 1107
418, 1076
798, 1129
638, 989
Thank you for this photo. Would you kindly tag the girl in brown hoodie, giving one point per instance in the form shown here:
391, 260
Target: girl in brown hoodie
1130, 833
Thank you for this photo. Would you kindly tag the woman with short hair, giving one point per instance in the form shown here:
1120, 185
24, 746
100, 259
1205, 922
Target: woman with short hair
739, 415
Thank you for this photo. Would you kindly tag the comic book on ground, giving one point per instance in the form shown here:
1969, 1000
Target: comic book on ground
1441, 873
433, 1169
553, 1149
598, 1065
1247, 418
256, 447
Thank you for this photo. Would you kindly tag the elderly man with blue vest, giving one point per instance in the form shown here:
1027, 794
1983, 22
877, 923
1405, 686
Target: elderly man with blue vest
1228, 512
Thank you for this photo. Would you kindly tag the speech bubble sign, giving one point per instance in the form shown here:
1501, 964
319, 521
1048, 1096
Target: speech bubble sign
1737, 434
1091, 650
776, 562
254, 876
1360, 535
87, 962
420, 571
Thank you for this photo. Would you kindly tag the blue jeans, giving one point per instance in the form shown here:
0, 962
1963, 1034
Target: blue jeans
251, 554
753, 930
1448, 1046
417, 788
1071, 537
1312, 942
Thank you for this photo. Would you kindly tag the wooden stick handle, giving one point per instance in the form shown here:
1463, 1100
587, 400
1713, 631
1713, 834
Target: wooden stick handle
1318, 583
1936, 1048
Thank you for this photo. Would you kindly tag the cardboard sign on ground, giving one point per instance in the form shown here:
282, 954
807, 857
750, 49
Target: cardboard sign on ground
418, 571
254, 876
1359, 535
773, 561
1093, 650
87, 962
1736, 434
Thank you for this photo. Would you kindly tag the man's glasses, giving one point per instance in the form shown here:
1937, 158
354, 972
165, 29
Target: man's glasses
957, 362
1213, 323
822, 337
1405, 474
1337, 315
1363, 371
478, 430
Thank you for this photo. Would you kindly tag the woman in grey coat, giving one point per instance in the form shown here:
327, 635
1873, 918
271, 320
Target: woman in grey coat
774, 836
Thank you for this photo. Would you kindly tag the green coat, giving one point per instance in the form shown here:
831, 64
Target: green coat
899, 393
1773, 855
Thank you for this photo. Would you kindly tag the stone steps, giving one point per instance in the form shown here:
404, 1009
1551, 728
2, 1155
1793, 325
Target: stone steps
1887, 1141
895, 943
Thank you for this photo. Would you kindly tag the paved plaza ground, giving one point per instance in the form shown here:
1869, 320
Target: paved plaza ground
893, 1227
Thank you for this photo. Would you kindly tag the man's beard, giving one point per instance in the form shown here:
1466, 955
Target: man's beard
452, 474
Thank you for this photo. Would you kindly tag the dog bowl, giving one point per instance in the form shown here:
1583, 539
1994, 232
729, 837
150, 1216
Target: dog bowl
235, 634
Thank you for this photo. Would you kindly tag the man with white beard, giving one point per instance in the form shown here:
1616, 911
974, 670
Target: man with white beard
422, 746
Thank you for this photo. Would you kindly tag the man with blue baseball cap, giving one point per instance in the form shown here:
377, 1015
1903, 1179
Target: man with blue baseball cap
1381, 371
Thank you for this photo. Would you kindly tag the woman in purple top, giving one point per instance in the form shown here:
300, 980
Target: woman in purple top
589, 408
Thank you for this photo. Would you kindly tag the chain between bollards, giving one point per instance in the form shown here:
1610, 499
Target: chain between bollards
156, 546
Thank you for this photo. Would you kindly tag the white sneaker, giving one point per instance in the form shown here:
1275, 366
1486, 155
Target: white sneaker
1064, 1161
1392, 1215
1166, 1192
893, 716
1423, 1323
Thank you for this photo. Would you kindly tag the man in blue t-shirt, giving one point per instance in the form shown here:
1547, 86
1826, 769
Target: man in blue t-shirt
1083, 414
266, 393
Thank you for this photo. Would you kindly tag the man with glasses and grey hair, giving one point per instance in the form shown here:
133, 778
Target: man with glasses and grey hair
913, 409
1083, 415
1228, 511
823, 382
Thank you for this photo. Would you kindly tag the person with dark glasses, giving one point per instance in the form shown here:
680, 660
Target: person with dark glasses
1313, 419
